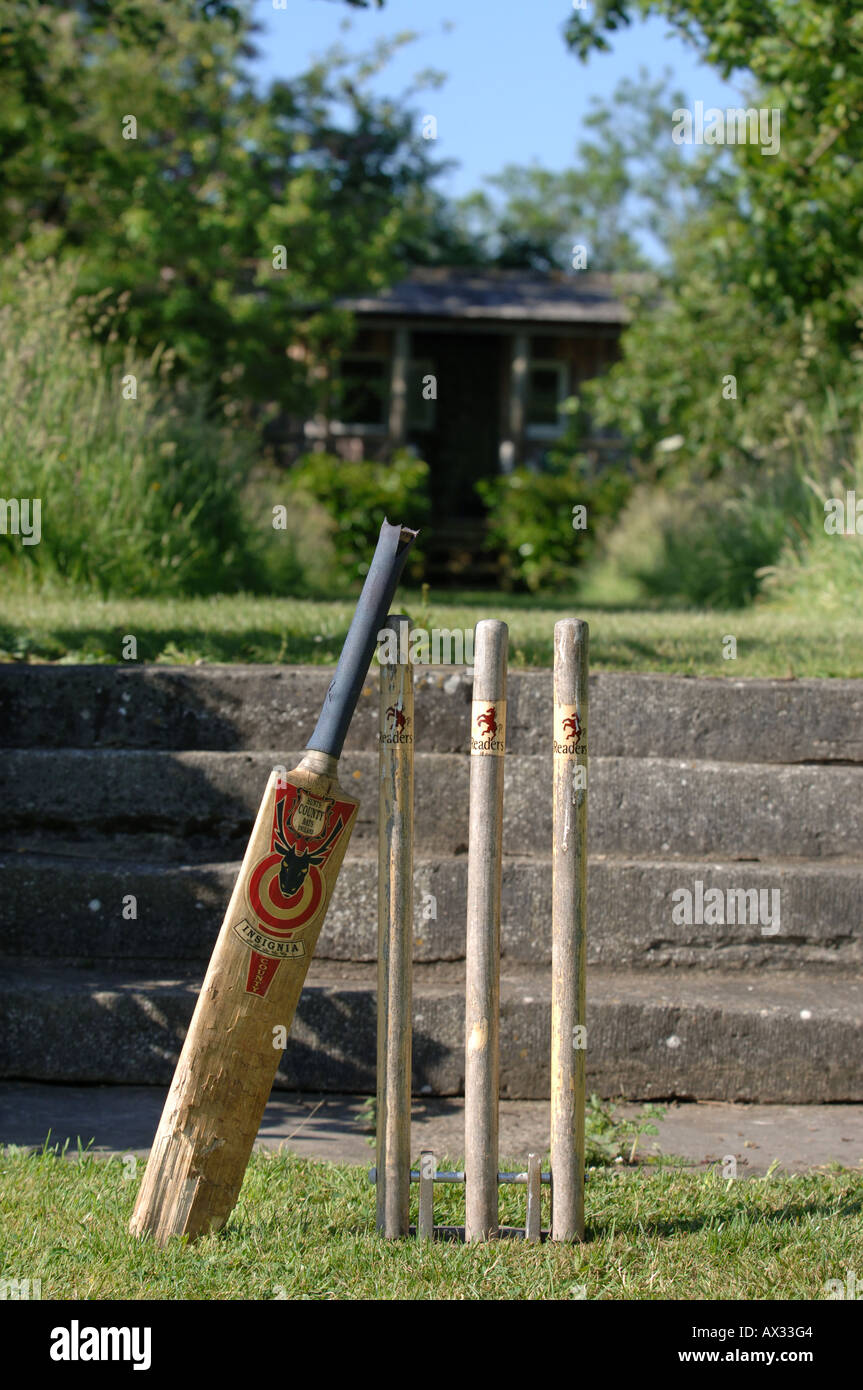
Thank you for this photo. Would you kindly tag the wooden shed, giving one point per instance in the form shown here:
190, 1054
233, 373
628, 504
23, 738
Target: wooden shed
470, 369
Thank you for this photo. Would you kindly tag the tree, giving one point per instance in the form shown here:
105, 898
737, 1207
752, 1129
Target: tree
801, 207
132, 134
624, 182
765, 282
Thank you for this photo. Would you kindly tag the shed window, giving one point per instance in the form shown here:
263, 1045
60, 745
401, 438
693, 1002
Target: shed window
364, 390
546, 392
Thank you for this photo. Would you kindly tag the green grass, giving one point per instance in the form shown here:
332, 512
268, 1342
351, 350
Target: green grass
305, 1230
771, 640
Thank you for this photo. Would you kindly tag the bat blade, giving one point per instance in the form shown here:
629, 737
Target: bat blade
256, 975
247, 1003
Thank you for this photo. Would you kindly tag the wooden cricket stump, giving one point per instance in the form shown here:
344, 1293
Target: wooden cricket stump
395, 934
482, 974
569, 929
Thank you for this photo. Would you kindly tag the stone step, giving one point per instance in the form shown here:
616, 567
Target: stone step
193, 807
264, 707
72, 909
783, 1038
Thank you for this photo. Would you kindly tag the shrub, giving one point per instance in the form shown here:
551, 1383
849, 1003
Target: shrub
357, 496
138, 496
531, 521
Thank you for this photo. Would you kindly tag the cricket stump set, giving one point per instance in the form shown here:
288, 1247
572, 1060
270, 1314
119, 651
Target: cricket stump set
393, 1174
250, 994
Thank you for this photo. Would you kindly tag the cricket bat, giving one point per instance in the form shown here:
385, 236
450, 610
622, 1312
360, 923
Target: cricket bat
253, 984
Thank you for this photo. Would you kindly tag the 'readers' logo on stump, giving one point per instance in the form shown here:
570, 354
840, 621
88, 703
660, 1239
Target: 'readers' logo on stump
569, 736
396, 726
488, 727
287, 889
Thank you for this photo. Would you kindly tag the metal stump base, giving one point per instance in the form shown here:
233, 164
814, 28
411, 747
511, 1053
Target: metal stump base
428, 1174
457, 1234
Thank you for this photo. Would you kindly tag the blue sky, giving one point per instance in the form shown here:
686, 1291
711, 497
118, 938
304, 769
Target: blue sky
514, 92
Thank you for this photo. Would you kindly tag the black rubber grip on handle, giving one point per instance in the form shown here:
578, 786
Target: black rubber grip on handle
374, 604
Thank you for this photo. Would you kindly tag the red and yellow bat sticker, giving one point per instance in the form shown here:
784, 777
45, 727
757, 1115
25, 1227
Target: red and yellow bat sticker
288, 888
570, 738
488, 728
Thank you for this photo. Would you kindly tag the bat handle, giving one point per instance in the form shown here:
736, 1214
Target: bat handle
374, 603
322, 764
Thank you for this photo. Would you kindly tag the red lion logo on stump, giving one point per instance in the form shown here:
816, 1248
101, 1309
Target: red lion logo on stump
572, 729
487, 722
398, 717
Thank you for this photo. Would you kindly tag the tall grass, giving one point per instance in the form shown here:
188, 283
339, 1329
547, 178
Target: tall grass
139, 488
818, 568
722, 542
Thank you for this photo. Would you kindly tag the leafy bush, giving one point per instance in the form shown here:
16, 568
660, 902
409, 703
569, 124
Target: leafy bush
357, 496
138, 496
531, 521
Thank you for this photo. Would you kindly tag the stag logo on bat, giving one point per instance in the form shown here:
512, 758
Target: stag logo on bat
287, 888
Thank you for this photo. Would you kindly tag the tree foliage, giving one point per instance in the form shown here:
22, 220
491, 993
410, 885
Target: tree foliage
802, 206
184, 218
765, 280
625, 181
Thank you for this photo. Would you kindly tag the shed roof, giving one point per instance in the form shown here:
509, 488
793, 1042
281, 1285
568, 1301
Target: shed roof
439, 293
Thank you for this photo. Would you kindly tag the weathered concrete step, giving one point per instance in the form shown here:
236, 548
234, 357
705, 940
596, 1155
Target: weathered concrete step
262, 707
186, 806
73, 909
782, 1038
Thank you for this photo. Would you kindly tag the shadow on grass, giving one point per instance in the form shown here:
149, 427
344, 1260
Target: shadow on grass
569, 601
182, 643
791, 1214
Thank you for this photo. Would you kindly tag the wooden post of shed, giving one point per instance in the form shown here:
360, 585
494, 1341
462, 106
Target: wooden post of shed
398, 417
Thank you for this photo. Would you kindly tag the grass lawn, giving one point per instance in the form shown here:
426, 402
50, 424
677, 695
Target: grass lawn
771, 641
305, 1230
